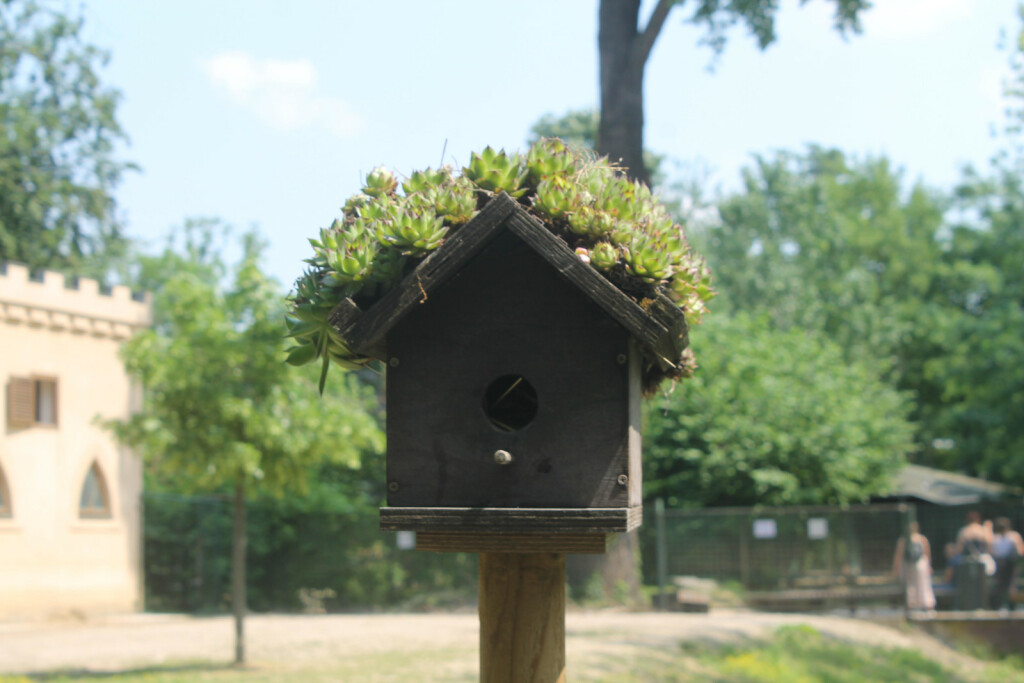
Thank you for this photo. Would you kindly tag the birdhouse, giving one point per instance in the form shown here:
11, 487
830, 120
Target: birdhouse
513, 383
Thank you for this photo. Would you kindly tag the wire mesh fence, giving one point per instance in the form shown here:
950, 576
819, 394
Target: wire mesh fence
774, 548
806, 556
296, 560
339, 560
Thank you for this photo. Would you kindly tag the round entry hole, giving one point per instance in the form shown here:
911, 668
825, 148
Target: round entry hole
510, 403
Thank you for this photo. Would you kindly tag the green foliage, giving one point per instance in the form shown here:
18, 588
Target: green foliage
613, 223
220, 403
925, 287
329, 539
980, 363
577, 127
57, 164
773, 418
759, 18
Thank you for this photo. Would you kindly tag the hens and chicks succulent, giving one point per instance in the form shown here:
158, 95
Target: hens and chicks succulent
613, 223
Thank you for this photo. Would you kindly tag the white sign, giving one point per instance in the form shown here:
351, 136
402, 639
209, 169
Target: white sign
406, 540
817, 528
765, 528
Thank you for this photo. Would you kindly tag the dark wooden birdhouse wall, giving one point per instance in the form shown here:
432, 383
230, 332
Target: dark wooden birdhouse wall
509, 358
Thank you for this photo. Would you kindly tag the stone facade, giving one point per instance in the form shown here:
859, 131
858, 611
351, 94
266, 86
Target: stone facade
70, 517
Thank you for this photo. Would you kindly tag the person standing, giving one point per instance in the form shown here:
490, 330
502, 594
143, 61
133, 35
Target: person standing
974, 548
1007, 549
975, 538
912, 563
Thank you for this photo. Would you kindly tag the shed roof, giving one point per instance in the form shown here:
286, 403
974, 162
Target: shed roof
659, 326
946, 488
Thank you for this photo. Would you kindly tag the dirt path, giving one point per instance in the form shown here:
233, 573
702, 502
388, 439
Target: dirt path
145, 640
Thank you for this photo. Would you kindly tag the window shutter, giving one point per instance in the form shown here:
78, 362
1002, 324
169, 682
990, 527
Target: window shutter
21, 401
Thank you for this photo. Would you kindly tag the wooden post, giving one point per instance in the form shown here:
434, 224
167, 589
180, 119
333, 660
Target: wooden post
522, 617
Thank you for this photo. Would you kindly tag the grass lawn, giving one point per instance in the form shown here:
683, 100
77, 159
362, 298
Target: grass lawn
795, 654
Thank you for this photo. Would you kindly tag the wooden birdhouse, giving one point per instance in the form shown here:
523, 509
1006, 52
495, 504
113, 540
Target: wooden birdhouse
513, 383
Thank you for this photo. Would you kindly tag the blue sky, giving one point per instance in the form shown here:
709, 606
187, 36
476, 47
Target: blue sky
269, 113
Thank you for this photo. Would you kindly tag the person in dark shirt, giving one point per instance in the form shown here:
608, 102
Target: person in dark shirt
1007, 549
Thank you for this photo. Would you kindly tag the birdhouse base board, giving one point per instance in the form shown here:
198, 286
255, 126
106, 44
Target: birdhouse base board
512, 520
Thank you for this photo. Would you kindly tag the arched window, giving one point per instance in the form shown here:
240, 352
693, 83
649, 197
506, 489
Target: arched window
94, 501
6, 510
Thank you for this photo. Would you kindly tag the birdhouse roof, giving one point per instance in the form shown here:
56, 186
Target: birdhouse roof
656, 323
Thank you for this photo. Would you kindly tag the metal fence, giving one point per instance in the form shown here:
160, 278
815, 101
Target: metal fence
296, 559
776, 548
803, 554
338, 560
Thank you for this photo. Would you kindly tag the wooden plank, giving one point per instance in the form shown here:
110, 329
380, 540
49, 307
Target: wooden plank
666, 353
344, 317
512, 520
522, 617
644, 327
368, 331
486, 542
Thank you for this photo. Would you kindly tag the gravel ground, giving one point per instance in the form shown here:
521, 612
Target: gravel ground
130, 642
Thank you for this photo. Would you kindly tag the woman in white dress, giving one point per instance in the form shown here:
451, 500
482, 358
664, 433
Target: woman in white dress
913, 565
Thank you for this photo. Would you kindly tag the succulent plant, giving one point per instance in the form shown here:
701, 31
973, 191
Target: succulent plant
452, 199
315, 338
644, 260
616, 225
604, 256
555, 197
427, 179
411, 232
497, 172
380, 182
549, 158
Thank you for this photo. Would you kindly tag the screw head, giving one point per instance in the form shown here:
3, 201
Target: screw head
503, 457
622, 480
393, 362
621, 359
393, 486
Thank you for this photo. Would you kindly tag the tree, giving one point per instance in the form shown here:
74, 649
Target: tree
58, 169
222, 409
927, 285
624, 48
981, 367
816, 241
774, 418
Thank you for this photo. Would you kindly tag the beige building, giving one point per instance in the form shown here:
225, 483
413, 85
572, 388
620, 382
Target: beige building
70, 518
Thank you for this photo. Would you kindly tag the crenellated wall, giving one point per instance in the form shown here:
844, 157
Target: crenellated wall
58, 559
81, 309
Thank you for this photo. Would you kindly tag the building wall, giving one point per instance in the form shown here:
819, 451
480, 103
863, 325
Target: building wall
54, 561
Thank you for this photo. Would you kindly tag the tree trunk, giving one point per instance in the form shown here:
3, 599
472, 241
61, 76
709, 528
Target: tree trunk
238, 543
621, 61
623, 49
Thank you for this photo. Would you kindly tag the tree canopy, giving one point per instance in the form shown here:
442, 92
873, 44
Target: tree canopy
926, 286
58, 166
773, 418
222, 409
